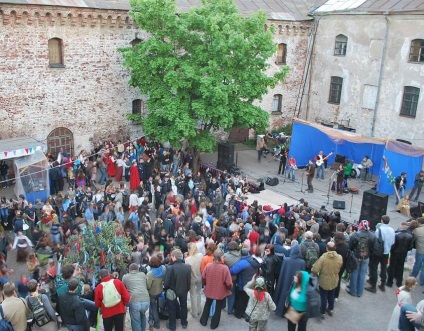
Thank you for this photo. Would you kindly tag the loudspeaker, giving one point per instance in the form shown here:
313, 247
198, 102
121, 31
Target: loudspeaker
335, 166
338, 204
225, 156
340, 158
272, 181
374, 205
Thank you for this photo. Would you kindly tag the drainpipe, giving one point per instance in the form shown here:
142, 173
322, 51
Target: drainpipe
380, 77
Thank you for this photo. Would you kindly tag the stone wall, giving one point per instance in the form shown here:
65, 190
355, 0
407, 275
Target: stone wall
360, 105
90, 95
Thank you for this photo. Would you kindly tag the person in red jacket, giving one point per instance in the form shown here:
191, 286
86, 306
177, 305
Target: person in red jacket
112, 316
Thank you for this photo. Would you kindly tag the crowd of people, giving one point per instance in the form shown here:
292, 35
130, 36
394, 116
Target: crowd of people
189, 232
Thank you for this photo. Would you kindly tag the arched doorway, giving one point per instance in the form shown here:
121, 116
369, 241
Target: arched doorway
60, 138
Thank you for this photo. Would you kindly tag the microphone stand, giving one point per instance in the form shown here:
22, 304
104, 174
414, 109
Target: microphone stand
329, 187
351, 202
301, 184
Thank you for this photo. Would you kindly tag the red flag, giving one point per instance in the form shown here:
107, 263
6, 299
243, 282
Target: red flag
26, 150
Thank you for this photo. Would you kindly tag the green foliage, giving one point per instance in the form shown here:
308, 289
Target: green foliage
201, 70
135, 118
100, 245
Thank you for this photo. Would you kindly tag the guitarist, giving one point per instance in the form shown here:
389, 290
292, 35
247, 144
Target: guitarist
320, 162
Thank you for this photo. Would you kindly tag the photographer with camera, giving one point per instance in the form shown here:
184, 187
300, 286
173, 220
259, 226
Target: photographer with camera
260, 304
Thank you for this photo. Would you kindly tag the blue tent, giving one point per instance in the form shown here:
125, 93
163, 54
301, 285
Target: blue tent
310, 138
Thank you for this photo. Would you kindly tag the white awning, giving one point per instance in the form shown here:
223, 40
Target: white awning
21, 146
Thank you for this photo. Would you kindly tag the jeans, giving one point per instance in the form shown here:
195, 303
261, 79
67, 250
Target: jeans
404, 323
5, 180
195, 298
103, 176
138, 315
292, 174
231, 299
73, 327
419, 259
320, 169
154, 310
357, 278
206, 311
177, 307
374, 262
4, 214
327, 299
401, 191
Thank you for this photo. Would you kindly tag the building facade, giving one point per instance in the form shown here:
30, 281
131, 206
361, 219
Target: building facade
367, 69
62, 77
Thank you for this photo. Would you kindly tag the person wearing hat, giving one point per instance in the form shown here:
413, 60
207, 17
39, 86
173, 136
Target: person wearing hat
217, 282
361, 244
260, 303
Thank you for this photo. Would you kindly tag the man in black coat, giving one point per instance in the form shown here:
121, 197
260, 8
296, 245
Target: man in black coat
71, 308
398, 252
177, 279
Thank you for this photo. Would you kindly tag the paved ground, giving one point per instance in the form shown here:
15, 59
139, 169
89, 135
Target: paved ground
370, 312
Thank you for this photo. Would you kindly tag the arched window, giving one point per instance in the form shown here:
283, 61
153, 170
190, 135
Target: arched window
341, 45
277, 103
410, 98
281, 54
335, 90
138, 107
135, 41
55, 53
416, 52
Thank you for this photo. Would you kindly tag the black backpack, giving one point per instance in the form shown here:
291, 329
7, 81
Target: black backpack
351, 262
39, 313
378, 245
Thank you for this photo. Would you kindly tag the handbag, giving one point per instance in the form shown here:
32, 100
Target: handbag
293, 315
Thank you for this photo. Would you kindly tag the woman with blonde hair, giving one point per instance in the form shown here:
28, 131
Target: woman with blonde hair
194, 259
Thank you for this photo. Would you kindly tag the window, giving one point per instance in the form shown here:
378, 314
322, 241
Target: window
135, 41
410, 101
341, 45
335, 90
281, 54
55, 53
416, 52
138, 107
277, 103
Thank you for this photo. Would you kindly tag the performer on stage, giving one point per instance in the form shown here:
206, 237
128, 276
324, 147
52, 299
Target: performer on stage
340, 178
320, 162
310, 172
418, 185
292, 168
283, 160
400, 183
366, 164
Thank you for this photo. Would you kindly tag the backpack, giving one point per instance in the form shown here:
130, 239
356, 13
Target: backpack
111, 296
351, 262
313, 298
5, 325
143, 268
362, 248
311, 255
39, 313
378, 245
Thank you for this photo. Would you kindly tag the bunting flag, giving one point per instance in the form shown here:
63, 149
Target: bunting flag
31, 150
5, 154
389, 175
26, 150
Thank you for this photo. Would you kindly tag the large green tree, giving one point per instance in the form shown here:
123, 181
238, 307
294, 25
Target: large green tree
201, 70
